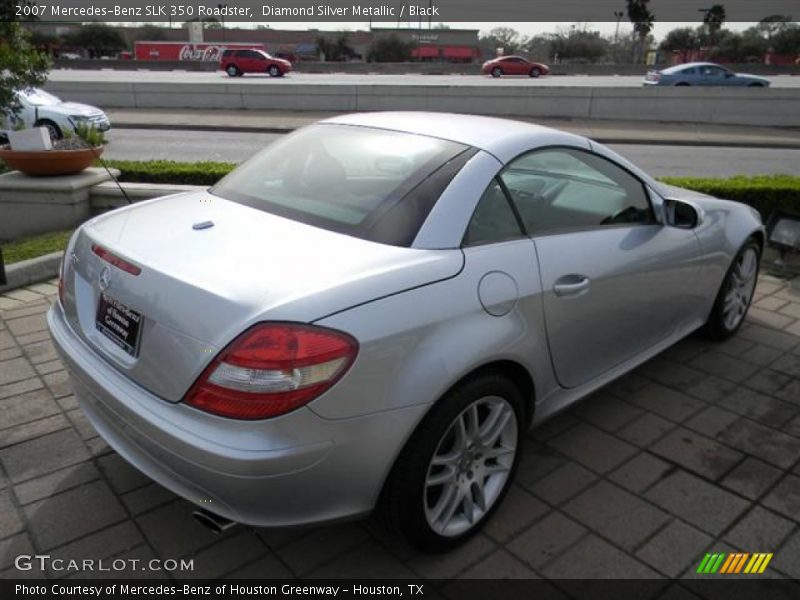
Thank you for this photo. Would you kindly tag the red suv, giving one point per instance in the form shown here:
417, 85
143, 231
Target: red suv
238, 62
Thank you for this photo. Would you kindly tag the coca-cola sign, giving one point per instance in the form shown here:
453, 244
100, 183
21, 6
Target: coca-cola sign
187, 51
201, 52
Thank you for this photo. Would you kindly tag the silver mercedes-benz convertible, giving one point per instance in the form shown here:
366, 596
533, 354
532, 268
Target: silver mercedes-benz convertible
373, 310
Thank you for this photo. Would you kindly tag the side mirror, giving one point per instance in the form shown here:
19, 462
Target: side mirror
681, 214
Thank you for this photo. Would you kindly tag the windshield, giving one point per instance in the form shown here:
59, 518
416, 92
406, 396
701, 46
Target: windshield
370, 183
38, 97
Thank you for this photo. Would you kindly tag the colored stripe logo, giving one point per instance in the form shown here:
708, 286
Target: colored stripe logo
734, 563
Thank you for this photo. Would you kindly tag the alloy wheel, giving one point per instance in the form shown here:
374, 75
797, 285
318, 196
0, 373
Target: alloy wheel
470, 467
740, 288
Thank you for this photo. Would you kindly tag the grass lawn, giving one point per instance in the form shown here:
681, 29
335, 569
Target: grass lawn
38, 245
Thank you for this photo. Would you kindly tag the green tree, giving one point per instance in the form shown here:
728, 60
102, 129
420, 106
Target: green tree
336, 50
539, 47
390, 49
753, 45
681, 41
713, 20
787, 40
579, 44
98, 39
770, 26
642, 20
506, 38
21, 64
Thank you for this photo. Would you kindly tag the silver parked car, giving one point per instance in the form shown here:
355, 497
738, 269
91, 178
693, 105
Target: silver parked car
374, 309
38, 108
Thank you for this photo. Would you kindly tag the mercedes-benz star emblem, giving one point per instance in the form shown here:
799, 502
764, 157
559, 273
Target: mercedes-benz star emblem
105, 279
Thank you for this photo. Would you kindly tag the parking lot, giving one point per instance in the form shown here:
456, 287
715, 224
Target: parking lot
696, 451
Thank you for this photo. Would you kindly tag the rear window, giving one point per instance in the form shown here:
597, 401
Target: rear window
369, 183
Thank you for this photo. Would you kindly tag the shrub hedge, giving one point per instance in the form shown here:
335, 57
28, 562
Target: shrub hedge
765, 193
169, 171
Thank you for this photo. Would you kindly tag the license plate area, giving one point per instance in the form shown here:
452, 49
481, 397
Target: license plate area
119, 323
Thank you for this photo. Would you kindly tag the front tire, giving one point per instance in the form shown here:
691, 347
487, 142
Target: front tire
274, 71
458, 465
535, 72
52, 129
736, 293
497, 72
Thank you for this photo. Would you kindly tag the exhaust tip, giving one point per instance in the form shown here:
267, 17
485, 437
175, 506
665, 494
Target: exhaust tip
212, 522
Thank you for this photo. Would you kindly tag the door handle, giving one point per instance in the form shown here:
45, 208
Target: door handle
571, 285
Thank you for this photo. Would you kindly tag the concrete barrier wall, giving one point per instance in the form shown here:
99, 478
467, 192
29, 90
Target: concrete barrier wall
776, 107
401, 68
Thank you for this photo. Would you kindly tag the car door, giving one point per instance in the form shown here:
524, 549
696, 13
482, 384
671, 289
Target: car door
711, 75
249, 61
615, 281
519, 66
259, 62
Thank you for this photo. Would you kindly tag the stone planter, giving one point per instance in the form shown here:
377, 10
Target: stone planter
48, 163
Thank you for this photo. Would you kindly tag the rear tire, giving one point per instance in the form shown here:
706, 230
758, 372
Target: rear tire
233, 71
755, 85
735, 294
682, 84
497, 72
458, 465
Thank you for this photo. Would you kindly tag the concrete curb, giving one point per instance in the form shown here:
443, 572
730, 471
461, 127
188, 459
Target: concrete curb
35, 270
713, 143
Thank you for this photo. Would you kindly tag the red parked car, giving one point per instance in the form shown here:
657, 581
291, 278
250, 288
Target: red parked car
238, 62
514, 65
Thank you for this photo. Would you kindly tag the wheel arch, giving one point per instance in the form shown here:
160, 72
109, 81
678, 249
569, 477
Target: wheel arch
513, 370
43, 121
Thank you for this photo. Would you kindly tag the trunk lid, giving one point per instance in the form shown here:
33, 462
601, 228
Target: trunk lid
200, 288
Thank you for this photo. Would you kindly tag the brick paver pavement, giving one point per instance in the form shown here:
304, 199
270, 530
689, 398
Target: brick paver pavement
696, 451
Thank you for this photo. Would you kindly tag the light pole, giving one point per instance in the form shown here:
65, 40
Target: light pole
221, 8
707, 28
618, 14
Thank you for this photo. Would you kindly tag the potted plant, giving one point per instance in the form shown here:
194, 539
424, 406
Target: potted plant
21, 64
71, 154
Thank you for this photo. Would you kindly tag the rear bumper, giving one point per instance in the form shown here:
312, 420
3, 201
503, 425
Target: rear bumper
291, 470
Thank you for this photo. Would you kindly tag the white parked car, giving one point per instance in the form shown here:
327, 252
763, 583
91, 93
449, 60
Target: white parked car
42, 109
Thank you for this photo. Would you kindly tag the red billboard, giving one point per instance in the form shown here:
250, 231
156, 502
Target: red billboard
186, 50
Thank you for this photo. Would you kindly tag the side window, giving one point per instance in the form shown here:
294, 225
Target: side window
563, 188
493, 219
710, 71
689, 71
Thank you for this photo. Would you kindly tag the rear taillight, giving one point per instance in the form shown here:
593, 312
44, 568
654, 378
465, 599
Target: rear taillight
271, 369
